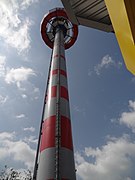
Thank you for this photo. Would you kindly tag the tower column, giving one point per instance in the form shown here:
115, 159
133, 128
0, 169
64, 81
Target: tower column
56, 158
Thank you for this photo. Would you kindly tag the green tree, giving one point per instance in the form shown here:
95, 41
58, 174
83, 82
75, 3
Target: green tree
12, 174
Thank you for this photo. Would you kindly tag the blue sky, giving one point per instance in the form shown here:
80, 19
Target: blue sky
101, 90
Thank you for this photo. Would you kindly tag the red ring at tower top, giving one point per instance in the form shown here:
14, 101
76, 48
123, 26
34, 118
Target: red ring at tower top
47, 28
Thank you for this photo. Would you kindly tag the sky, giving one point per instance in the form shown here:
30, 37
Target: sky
101, 90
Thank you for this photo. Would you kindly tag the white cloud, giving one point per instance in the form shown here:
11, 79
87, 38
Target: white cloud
18, 75
18, 150
133, 79
3, 99
90, 72
22, 152
113, 161
2, 65
20, 39
26, 3
24, 96
14, 30
31, 139
6, 135
36, 90
128, 118
32, 92
79, 158
20, 116
31, 129
105, 63
36, 93
79, 109
114, 120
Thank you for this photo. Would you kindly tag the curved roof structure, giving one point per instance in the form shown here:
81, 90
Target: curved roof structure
90, 13
111, 16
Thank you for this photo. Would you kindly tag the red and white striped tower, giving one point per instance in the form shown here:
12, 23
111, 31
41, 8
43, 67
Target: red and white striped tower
56, 158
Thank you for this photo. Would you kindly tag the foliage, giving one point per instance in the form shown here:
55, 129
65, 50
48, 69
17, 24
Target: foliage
12, 174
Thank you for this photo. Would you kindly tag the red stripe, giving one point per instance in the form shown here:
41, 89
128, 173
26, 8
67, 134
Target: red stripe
66, 133
55, 56
54, 71
62, 57
48, 133
62, 72
64, 92
53, 91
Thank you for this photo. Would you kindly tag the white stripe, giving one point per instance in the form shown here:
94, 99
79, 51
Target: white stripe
50, 108
55, 64
67, 166
64, 104
54, 80
46, 168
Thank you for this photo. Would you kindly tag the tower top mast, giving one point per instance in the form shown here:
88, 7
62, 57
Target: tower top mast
58, 17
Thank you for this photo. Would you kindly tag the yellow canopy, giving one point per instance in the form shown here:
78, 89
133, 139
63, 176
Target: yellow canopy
122, 14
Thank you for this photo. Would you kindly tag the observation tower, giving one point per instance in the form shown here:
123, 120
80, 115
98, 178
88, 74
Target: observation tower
55, 157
